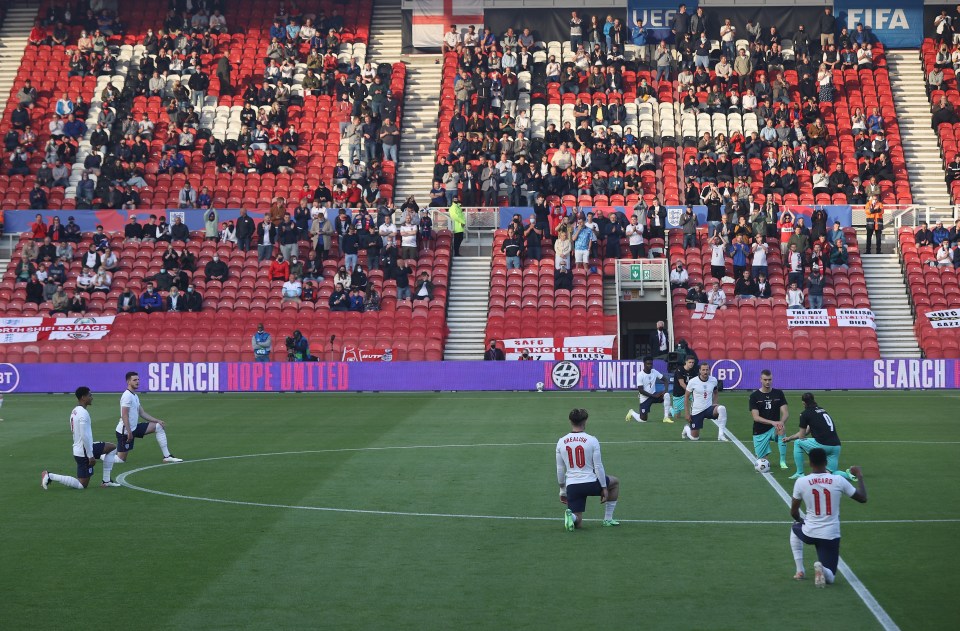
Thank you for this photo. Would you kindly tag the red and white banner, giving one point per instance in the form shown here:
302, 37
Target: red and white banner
356, 354
432, 18
552, 348
703, 312
946, 319
18, 330
862, 318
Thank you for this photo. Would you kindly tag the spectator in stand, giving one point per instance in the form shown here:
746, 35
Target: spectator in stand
795, 265
193, 300
954, 234
717, 260
216, 270
679, 278
424, 287
838, 255
266, 240
716, 296
512, 247
150, 300
815, 284
279, 269
127, 302
746, 287
924, 236
794, 297
695, 295
493, 352
34, 290
292, 289
940, 234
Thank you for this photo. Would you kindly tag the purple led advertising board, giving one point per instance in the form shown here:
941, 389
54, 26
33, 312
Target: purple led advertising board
881, 374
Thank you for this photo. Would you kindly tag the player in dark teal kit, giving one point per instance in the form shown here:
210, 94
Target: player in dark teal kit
768, 405
814, 421
681, 377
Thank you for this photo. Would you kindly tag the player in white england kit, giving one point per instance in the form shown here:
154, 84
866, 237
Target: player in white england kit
85, 451
580, 474
130, 428
647, 393
820, 492
700, 403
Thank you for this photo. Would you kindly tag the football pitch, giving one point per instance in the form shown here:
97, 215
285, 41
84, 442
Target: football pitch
440, 511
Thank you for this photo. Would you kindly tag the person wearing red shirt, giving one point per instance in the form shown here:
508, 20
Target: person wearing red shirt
279, 269
354, 194
38, 34
339, 197
38, 228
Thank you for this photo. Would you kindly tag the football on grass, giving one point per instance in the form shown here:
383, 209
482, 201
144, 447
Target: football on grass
762, 466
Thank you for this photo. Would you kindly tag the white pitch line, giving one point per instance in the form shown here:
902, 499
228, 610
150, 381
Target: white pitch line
868, 599
122, 479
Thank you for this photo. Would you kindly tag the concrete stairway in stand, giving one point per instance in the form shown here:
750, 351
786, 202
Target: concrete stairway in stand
920, 148
891, 305
418, 135
467, 302
385, 32
13, 40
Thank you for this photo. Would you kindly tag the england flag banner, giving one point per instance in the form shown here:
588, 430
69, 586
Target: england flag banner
553, 348
17, 330
946, 319
862, 318
432, 18
703, 312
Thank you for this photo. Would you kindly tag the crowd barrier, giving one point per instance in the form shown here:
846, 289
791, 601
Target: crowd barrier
890, 374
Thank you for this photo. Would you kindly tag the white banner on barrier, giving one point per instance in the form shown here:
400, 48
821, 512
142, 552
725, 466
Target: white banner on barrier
945, 319
550, 348
862, 318
17, 330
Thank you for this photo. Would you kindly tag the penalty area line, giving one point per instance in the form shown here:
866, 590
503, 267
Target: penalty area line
868, 598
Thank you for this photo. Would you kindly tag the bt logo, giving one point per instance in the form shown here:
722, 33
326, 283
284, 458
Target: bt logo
727, 371
9, 378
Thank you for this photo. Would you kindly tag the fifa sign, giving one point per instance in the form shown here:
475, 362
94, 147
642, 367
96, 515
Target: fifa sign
896, 23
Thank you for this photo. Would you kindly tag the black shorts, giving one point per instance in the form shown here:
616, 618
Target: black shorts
828, 550
577, 494
138, 432
84, 468
646, 405
696, 420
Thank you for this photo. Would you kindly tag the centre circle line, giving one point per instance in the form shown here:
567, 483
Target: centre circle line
123, 480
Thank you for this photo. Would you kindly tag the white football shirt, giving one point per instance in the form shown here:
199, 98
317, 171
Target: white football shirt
648, 382
821, 493
80, 425
578, 460
129, 400
702, 393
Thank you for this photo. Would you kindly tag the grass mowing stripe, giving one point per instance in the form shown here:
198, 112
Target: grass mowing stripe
868, 599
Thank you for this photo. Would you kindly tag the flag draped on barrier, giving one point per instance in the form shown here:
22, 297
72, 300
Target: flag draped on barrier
432, 18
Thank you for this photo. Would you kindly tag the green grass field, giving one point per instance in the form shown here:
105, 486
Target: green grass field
309, 535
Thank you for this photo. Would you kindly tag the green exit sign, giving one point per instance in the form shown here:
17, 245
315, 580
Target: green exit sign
639, 272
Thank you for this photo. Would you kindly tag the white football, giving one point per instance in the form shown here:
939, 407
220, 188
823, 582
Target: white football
762, 466
539, 386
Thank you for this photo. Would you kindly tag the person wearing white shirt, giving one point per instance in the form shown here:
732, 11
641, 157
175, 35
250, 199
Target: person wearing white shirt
647, 380
408, 240
717, 261
759, 263
749, 101
451, 39
794, 297
470, 38
553, 70
85, 451
944, 256
85, 280
679, 277
388, 231
820, 492
292, 289
716, 296
580, 474
130, 428
702, 402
